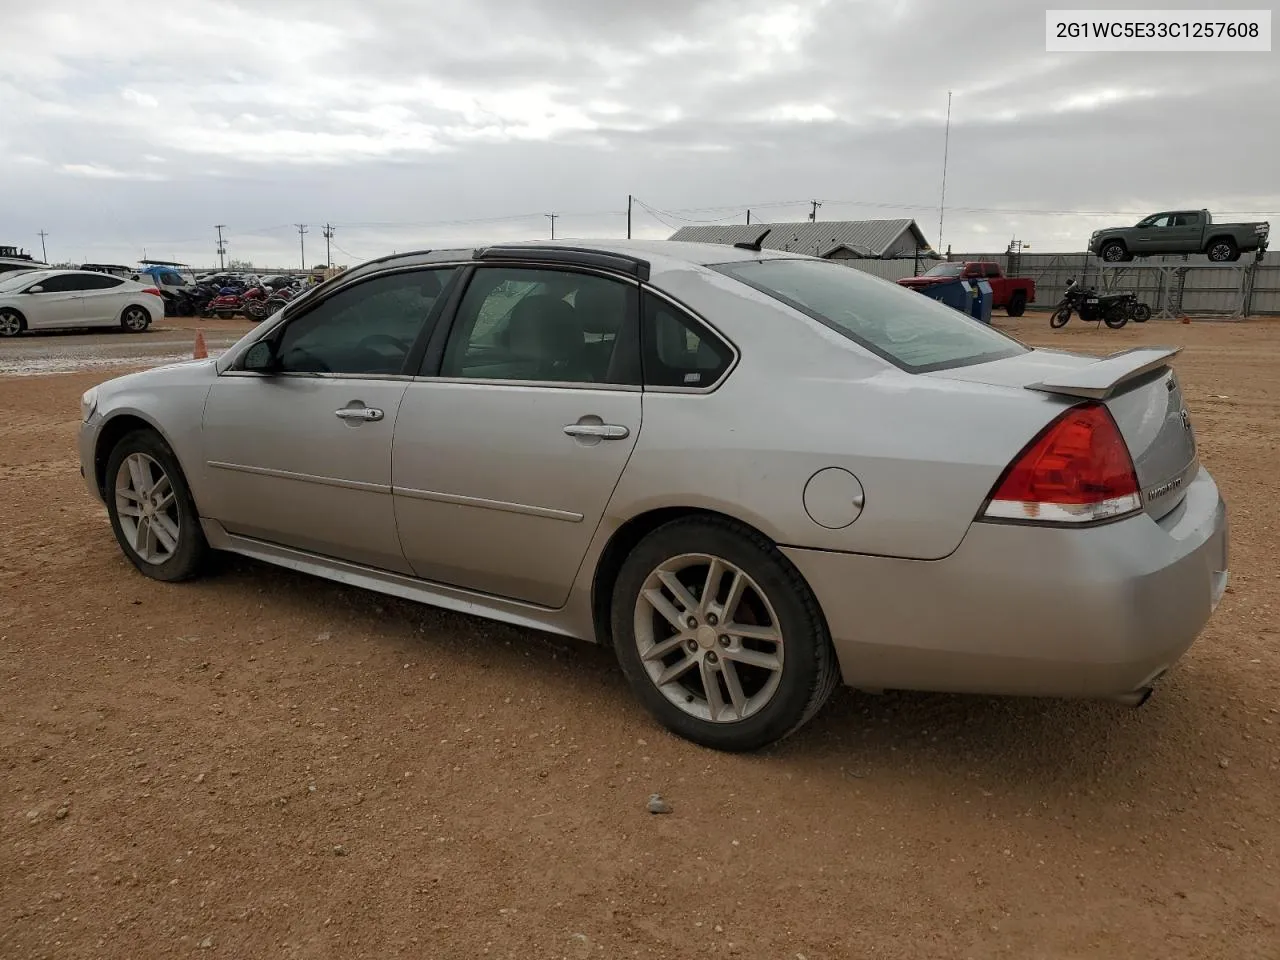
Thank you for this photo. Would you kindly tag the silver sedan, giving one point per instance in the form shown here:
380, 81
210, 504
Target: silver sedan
753, 474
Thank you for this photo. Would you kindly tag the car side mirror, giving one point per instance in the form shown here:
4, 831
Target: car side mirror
36, 289
261, 357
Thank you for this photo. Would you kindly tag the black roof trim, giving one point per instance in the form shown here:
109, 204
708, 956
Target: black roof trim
754, 244
161, 263
622, 263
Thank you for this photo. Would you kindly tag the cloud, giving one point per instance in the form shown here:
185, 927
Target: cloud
99, 172
408, 123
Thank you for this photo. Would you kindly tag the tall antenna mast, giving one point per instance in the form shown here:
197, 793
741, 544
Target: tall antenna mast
946, 146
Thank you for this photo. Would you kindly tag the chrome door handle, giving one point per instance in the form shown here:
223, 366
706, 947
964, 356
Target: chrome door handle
599, 431
358, 413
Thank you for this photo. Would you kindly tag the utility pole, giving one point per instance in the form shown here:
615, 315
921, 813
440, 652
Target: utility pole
222, 246
302, 244
553, 217
44, 254
813, 215
328, 235
628, 216
748, 217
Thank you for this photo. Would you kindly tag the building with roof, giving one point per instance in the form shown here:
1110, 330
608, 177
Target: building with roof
831, 239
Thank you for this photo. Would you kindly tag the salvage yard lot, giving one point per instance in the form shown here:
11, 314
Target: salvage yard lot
261, 764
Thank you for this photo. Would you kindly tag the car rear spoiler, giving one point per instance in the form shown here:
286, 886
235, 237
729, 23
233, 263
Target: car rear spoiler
1099, 380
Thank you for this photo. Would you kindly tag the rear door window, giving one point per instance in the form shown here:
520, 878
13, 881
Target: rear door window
544, 325
912, 332
101, 281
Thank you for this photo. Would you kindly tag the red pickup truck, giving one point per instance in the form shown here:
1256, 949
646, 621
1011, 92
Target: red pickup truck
1011, 293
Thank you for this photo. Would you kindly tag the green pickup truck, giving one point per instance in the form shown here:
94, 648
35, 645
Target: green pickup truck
1180, 231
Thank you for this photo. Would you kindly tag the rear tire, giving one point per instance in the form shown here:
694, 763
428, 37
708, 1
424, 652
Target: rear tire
1116, 322
1017, 304
152, 513
1223, 250
135, 319
725, 690
1060, 317
12, 323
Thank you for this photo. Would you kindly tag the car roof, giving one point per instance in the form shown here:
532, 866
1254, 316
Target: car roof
659, 255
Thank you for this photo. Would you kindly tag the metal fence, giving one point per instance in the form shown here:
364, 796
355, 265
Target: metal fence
1172, 286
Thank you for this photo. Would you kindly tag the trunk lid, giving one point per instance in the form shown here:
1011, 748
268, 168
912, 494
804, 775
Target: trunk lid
1140, 390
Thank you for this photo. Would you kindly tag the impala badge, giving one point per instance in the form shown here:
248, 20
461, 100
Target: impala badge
1155, 493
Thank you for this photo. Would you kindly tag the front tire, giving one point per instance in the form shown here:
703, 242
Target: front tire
719, 636
1060, 317
1115, 252
152, 513
135, 319
1017, 304
1140, 313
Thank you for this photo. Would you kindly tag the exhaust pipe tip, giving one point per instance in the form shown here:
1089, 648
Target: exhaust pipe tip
1135, 699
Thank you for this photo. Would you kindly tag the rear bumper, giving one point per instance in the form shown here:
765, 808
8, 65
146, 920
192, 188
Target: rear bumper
1098, 612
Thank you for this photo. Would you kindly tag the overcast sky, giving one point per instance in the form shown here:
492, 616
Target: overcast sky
128, 126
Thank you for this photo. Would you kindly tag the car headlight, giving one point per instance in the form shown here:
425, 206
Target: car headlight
88, 404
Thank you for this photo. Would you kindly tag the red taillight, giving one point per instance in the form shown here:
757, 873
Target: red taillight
1077, 471
153, 290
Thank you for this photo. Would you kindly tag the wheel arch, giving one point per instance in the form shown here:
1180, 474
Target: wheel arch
625, 539
132, 304
112, 432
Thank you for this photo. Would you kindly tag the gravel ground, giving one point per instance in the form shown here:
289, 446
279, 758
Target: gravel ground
258, 764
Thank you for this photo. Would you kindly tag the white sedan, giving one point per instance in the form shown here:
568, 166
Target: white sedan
59, 299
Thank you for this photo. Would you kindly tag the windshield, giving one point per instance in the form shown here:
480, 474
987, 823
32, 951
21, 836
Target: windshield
16, 281
902, 326
945, 270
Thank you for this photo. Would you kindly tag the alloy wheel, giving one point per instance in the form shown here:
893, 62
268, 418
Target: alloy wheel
709, 638
148, 508
10, 324
135, 319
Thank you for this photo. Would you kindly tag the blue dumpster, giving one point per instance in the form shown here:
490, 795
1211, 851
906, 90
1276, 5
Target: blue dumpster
980, 307
954, 293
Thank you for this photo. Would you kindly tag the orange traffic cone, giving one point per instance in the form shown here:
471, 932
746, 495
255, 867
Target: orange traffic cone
201, 352
1186, 319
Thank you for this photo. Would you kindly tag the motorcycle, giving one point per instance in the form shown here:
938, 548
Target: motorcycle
1113, 309
231, 301
277, 300
254, 303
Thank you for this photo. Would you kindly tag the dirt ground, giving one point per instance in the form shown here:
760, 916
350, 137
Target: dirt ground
258, 764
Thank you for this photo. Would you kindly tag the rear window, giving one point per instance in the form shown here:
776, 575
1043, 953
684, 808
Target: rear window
902, 326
